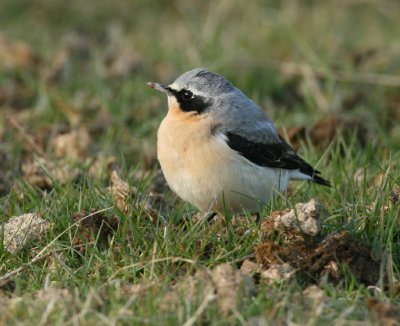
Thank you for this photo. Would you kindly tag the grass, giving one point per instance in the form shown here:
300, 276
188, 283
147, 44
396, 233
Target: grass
133, 278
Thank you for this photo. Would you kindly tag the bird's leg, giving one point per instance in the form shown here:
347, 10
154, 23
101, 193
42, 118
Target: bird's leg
258, 218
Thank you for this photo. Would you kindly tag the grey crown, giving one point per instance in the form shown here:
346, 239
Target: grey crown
231, 109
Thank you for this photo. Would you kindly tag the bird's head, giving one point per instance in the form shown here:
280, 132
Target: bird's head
196, 92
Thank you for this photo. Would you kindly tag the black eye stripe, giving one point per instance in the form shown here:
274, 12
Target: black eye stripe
186, 95
171, 90
183, 94
190, 102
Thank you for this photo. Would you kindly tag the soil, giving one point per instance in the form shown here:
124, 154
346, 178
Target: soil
334, 256
97, 226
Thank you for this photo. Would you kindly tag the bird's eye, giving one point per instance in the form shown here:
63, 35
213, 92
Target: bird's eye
187, 95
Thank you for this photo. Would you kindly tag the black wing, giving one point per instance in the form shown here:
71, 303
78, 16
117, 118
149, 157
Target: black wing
274, 155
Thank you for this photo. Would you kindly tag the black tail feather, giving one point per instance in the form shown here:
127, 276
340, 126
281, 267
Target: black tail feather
321, 181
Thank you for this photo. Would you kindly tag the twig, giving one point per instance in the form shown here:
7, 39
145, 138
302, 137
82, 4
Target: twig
46, 314
142, 264
209, 297
7, 276
153, 257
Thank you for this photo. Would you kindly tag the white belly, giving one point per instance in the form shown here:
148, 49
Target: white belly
203, 170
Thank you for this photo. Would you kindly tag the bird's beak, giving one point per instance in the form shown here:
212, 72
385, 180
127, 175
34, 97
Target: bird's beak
160, 87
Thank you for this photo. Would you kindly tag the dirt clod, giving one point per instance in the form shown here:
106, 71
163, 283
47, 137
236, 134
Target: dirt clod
225, 284
231, 285
17, 55
387, 312
192, 287
314, 299
72, 145
42, 173
125, 196
325, 258
311, 255
269, 253
298, 227
120, 191
305, 218
21, 230
96, 226
343, 249
56, 294
278, 272
250, 268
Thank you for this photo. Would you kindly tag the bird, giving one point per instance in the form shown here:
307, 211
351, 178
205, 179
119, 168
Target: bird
219, 151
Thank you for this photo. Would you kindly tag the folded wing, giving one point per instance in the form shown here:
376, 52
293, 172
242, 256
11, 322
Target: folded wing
277, 154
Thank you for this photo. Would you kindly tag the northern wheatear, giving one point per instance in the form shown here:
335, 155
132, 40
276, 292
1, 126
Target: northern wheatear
217, 148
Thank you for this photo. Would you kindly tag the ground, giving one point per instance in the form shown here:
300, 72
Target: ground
92, 234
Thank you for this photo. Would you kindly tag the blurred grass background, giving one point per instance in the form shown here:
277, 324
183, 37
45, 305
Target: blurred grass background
249, 43
65, 64
252, 44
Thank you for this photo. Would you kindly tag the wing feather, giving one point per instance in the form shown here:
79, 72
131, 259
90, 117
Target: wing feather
278, 154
